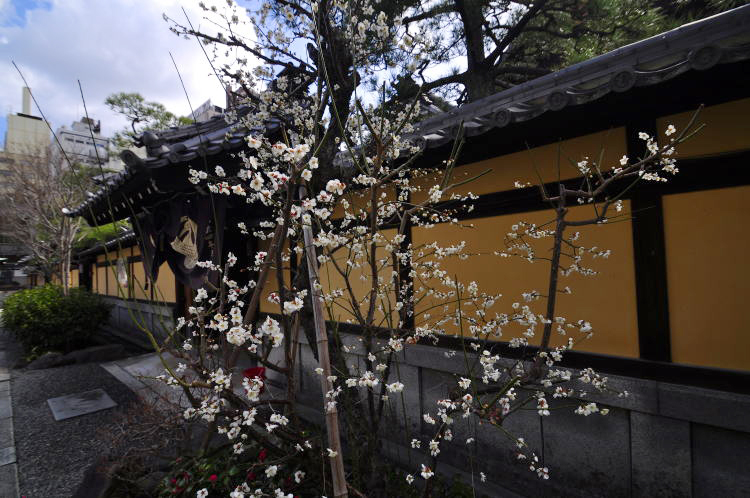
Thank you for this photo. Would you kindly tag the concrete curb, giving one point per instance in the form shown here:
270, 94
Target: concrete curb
8, 466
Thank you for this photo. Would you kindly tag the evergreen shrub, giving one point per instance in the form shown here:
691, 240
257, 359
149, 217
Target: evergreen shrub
44, 319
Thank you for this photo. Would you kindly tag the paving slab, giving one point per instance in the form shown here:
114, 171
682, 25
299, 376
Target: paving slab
9, 481
123, 376
5, 406
139, 372
6, 433
74, 405
7, 455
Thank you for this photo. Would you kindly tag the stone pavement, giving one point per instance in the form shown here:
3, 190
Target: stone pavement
8, 466
138, 374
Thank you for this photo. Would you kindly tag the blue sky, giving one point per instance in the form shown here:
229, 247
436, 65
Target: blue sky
111, 46
13, 13
16, 11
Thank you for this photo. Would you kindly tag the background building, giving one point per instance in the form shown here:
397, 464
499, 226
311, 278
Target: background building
26, 139
206, 111
83, 143
26, 134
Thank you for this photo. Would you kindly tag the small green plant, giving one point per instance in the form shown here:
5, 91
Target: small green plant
44, 319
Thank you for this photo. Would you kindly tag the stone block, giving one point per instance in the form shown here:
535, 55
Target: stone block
498, 455
50, 360
354, 343
74, 405
409, 460
276, 356
310, 393
705, 406
6, 410
587, 456
435, 358
642, 396
107, 352
6, 432
402, 410
118, 373
435, 385
9, 480
7, 455
720, 462
660, 456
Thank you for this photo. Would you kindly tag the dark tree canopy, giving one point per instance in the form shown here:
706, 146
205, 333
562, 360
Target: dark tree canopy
142, 115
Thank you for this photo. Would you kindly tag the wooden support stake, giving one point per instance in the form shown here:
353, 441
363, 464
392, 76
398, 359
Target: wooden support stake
331, 414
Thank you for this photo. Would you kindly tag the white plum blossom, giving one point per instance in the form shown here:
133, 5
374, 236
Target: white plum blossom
587, 409
335, 186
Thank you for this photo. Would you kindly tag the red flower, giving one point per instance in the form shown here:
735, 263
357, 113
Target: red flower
250, 476
262, 455
213, 478
256, 372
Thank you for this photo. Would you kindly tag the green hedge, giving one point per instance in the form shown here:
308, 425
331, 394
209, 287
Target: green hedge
46, 320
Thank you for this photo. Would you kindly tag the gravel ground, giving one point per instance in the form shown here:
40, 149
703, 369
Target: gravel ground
53, 456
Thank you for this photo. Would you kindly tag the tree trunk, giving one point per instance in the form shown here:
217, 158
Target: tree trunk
478, 80
65, 256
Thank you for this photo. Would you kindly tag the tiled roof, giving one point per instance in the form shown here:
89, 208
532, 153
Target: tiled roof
127, 239
696, 46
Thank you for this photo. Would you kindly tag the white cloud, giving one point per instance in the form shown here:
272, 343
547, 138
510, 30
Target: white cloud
111, 46
7, 11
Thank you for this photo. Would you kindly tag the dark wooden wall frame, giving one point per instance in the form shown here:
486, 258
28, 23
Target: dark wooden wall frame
650, 258
652, 299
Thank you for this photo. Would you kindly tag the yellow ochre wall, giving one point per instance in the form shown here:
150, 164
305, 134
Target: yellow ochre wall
105, 279
332, 279
708, 276
164, 289
607, 300
726, 129
550, 162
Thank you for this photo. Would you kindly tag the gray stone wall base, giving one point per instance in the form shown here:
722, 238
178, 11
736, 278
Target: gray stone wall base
662, 440
127, 316
721, 462
660, 456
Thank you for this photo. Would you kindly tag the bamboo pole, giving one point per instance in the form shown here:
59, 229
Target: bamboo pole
331, 414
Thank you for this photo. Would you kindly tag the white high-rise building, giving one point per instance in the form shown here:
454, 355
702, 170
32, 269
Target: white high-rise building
206, 111
82, 143
26, 134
